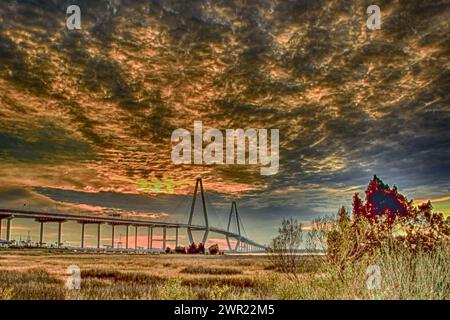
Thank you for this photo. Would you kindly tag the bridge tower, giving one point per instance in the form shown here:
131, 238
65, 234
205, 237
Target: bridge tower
238, 225
198, 183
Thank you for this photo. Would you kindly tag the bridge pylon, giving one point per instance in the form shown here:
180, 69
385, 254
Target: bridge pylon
238, 225
198, 183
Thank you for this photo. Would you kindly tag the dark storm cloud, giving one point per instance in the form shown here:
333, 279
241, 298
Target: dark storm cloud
47, 144
111, 200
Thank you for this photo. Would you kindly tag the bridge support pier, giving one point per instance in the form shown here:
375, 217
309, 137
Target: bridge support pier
112, 236
82, 235
59, 233
164, 238
126, 237
135, 237
176, 237
150, 238
98, 235
41, 234
8, 229
234, 211
1, 221
198, 184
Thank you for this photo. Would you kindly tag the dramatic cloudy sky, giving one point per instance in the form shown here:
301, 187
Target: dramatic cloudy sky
86, 115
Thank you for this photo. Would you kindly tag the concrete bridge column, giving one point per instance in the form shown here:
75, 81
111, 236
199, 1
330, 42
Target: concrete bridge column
98, 235
1, 220
164, 238
126, 240
150, 238
41, 234
82, 235
238, 245
59, 233
8, 229
112, 236
176, 237
135, 236
229, 243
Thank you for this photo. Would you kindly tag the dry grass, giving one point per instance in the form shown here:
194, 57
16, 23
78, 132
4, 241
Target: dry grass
209, 270
35, 284
117, 276
134, 276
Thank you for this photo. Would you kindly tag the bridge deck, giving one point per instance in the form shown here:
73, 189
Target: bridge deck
5, 213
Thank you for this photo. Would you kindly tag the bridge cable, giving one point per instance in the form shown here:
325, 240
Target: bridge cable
181, 203
216, 215
243, 227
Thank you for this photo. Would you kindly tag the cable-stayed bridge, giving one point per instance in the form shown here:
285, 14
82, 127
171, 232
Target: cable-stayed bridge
241, 243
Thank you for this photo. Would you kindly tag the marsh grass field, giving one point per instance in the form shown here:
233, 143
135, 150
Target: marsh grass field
41, 274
